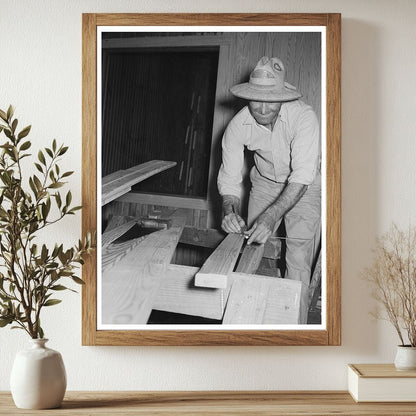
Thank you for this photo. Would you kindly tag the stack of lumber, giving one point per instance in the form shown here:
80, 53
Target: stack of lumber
120, 182
142, 279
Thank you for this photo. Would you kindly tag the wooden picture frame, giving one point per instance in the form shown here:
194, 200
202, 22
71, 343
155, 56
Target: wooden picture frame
331, 334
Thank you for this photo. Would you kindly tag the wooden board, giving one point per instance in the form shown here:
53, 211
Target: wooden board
220, 264
248, 299
109, 236
130, 286
255, 299
221, 403
177, 293
119, 183
250, 259
211, 238
113, 253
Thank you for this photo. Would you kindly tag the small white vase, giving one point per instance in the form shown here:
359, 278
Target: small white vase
38, 377
405, 358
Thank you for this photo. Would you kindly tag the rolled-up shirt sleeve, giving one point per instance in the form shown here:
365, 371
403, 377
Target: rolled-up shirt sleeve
230, 174
305, 149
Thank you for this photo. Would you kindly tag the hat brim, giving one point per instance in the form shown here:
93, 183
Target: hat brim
260, 93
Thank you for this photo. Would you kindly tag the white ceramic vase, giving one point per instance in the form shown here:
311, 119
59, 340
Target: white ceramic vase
38, 377
405, 358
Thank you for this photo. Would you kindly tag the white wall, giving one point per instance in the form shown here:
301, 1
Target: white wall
40, 73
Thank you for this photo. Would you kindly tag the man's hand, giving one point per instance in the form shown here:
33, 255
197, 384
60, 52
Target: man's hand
233, 223
262, 229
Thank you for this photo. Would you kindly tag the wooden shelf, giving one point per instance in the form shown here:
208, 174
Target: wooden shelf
179, 403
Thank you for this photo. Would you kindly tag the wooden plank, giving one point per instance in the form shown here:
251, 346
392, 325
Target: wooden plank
136, 172
223, 403
113, 253
113, 194
211, 238
113, 184
220, 264
178, 294
166, 200
117, 220
109, 236
250, 259
130, 286
255, 299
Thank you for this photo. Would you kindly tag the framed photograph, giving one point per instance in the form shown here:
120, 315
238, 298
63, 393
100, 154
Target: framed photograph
211, 172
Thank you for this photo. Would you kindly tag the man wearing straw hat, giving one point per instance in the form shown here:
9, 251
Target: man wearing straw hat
283, 133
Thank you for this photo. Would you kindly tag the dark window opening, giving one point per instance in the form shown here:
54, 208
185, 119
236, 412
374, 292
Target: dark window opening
159, 104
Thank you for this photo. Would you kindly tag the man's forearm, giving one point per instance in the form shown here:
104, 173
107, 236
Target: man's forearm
266, 222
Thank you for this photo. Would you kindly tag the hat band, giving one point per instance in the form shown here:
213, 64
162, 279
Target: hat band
270, 82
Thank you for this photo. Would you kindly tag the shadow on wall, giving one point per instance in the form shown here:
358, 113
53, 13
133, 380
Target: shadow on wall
360, 179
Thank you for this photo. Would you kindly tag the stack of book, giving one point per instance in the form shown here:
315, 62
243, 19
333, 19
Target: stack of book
381, 383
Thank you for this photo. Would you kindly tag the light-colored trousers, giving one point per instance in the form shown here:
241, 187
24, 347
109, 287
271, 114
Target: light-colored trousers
302, 223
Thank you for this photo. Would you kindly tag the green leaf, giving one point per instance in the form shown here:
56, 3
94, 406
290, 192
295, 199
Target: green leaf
25, 145
37, 183
63, 150
10, 112
8, 133
56, 185
76, 279
58, 199
24, 132
45, 211
59, 287
41, 157
77, 208
3, 115
44, 253
14, 125
39, 167
40, 332
5, 321
54, 145
49, 151
51, 302
67, 174
25, 155
33, 187
68, 198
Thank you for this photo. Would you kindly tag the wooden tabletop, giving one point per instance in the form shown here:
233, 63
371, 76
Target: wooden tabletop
212, 403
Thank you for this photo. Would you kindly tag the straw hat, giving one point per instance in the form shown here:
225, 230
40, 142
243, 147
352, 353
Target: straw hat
267, 83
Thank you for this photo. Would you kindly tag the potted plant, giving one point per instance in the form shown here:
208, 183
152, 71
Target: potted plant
393, 277
32, 271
